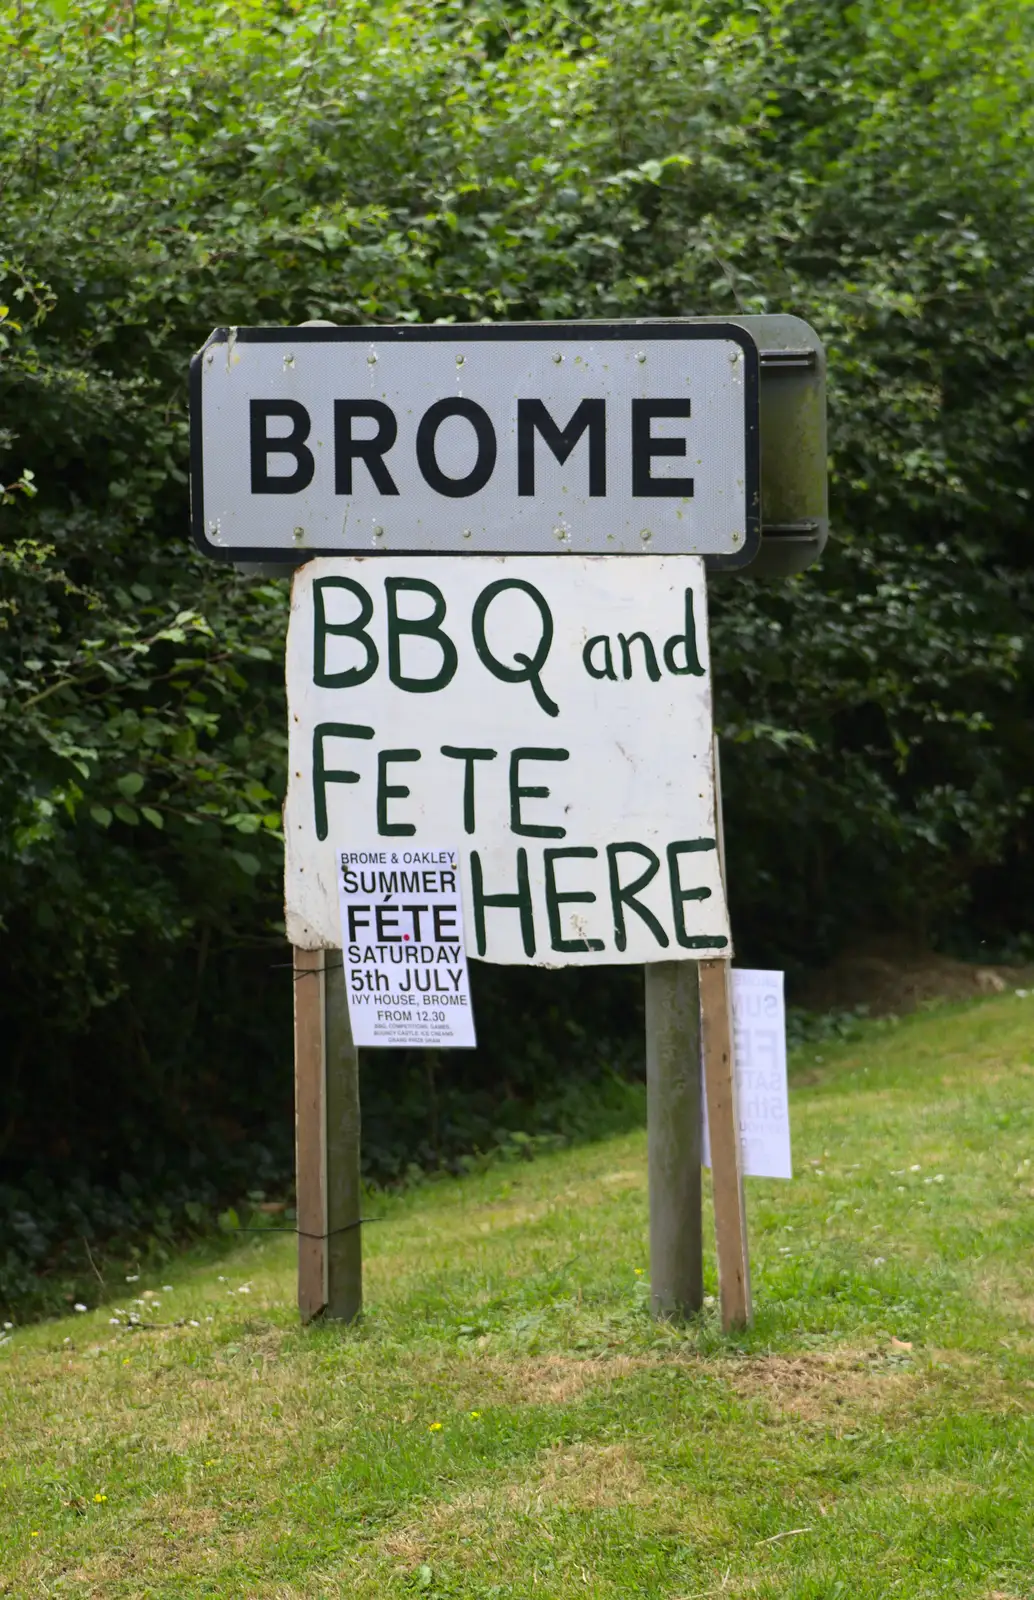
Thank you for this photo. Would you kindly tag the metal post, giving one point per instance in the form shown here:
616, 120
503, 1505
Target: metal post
673, 1137
344, 1184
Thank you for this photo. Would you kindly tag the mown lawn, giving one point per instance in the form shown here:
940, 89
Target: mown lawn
508, 1422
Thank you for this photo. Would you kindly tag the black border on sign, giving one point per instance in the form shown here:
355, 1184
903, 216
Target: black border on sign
437, 332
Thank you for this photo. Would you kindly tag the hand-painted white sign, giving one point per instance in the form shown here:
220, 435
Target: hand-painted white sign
759, 1046
551, 717
604, 438
402, 946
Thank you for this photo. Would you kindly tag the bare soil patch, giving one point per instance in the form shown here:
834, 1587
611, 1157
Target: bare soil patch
816, 1388
891, 978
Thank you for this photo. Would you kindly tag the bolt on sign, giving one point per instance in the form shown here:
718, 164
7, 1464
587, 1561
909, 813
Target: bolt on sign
549, 720
587, 438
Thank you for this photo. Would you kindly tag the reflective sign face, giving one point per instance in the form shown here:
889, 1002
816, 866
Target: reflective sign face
595, 439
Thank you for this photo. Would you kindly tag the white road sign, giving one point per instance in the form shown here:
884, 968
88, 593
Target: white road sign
604, 439
552, 718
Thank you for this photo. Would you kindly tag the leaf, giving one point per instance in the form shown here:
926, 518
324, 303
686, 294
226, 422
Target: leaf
101, 816
130, 784
155, 818
127, 814
248, 864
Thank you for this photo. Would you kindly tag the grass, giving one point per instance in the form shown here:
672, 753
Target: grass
508, 1422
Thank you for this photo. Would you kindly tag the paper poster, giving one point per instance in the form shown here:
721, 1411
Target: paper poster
403, 950
759, 1043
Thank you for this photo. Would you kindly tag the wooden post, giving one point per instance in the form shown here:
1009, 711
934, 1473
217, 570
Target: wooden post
327, 1141
310, 1130
343, 1182
730, 1215
673, 1137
